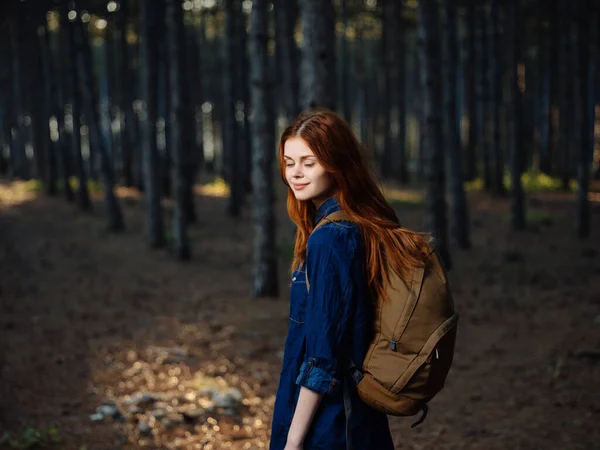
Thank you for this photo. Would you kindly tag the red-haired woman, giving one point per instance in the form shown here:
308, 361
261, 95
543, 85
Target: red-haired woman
317, 405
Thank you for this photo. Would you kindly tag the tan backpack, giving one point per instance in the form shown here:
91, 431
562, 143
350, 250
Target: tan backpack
413, 343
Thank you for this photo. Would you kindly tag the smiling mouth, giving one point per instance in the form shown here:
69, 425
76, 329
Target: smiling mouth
299, 186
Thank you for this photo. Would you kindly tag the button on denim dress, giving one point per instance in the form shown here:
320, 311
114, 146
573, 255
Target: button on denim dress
328, 327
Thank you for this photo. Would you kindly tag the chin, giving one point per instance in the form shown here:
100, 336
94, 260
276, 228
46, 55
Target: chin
305, 196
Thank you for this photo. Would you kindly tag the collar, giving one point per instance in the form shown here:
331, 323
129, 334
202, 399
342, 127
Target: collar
329, 206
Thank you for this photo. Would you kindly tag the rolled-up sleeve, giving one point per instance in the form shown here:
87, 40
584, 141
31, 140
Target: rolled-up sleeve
329, 263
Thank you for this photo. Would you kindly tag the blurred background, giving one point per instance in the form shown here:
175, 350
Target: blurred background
144, 239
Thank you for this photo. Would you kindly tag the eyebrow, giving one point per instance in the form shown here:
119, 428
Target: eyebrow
301, 158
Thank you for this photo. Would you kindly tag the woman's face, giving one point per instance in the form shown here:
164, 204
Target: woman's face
304, 174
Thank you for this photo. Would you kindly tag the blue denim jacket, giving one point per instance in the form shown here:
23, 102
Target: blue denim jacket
327, 327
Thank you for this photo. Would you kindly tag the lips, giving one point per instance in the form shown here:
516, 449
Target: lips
299, 187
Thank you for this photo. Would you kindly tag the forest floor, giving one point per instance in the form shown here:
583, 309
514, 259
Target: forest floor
107, 344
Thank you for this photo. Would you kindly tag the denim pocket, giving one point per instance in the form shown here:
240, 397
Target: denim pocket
298, 294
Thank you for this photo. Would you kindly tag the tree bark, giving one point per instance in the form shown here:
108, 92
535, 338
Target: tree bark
318, 54
115, 216
495, 74
148, 87
470, 87
435, 203
385, 104
401, 164
47, 77
74, 94
19, 164
178, 149
345, 65
582, 112
286, 14
515, 116
563, 100
459, 221
483, 94
234, 157
263, 144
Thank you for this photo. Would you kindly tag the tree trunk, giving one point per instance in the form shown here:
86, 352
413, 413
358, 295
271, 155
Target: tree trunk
470, 75
60, 99
546, 72
128, 89
563, 99
428, 26
148, 87
345, 65
515, 115
385, 104
263, 144
177, 143
582, 113
244, 97
47, 77
459, 221
286, 15
234, 157
18, 158
318, 54
495, 74
115, 217
74, 94
401, 164
483, 94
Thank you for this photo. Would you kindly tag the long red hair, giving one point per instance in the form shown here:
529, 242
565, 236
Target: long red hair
339, 152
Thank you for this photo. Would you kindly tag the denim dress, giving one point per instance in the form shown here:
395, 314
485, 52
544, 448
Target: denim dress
328, 327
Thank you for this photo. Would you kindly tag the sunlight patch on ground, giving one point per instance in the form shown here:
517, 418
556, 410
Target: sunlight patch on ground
128, 192
396, 195
18, 192
216, 188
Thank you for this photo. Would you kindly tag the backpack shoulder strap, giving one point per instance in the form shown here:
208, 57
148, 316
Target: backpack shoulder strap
337, 216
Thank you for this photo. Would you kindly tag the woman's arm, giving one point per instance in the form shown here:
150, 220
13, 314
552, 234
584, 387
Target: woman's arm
308, 402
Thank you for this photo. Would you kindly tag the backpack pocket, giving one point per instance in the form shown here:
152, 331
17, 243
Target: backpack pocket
427, 372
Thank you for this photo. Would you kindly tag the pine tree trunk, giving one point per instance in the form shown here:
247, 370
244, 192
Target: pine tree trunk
582, 113
318, 54
115, 217
264, 263
286, 13
47, 77
563, 100
234, 157
459, 222
177, 143
546, 73
470, 87
18, 159
60, 99
497, 163
244, 97
515, 115
346, 96
484, 94
150, 157
401, 164
384, 73
74, 94
435, 203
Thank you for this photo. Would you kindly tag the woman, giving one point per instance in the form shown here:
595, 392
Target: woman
317, 405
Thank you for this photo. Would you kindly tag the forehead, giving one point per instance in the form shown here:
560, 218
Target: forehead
296, 148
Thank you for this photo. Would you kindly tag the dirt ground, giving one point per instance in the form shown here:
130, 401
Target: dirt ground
90, 318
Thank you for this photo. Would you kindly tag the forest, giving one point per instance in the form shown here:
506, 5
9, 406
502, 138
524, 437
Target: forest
145, 244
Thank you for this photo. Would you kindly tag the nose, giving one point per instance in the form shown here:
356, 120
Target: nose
297, 172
